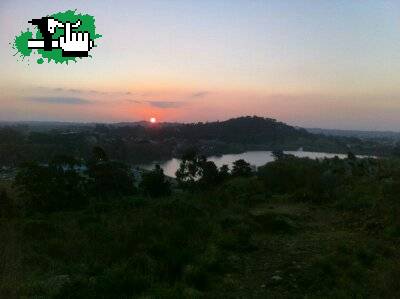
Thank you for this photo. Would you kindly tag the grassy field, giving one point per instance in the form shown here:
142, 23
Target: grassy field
231, 242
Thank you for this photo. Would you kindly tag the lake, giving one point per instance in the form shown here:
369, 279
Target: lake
256, 158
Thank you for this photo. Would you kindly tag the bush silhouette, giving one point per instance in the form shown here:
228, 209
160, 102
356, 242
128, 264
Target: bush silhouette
154, 183
241, 168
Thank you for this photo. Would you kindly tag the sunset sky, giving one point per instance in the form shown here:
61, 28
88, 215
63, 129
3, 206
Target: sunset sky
329, 64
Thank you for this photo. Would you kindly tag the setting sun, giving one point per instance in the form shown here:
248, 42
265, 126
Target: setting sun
153, 120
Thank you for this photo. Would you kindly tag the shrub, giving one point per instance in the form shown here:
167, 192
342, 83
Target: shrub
51, 188
241, 168
111, 178
7, 206
302, 177
154, 183
189, 171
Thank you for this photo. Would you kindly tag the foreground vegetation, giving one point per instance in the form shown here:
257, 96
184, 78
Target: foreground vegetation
297, 228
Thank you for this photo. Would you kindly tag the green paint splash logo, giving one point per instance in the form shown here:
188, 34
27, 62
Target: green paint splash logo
62, 37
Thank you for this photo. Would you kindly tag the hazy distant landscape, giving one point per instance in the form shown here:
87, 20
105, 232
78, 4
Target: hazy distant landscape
383, 135
199, 149
143, 142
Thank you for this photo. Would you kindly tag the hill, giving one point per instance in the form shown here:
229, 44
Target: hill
143, 142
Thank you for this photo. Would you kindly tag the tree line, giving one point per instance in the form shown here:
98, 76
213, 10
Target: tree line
66, 183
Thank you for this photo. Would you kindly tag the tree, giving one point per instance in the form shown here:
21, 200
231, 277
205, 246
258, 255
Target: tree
51, 188
241, 168
351, 156
209, 174
99, 155
110, 178
278, 154
195, 170
224, 172
154, 183
302, 176
190, 169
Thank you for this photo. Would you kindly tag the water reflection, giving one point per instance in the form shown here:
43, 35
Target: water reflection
256, 158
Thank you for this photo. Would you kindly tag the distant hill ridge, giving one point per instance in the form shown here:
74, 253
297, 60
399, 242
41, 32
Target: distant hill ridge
247, 129
252, 125
143, 142
356, 133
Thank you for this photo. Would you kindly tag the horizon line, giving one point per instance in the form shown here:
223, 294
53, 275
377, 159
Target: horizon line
183, 122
